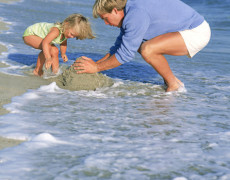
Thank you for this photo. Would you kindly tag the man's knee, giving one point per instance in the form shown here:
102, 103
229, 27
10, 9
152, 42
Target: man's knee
146, 50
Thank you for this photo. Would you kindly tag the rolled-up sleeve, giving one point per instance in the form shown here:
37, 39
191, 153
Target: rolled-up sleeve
134, 27
117, 43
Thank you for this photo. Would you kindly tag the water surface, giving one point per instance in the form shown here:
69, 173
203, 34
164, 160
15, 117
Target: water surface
132, 130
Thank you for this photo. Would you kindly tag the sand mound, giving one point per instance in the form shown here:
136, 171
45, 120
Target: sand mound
70, 80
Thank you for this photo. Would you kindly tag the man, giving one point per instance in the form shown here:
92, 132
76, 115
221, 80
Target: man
153, 28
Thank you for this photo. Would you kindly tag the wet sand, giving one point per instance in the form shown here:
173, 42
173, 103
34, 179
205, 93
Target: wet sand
72, 81
4, 142
8, 1
11, 86
16, 85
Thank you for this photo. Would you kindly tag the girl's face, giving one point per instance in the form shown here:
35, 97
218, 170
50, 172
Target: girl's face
70, 33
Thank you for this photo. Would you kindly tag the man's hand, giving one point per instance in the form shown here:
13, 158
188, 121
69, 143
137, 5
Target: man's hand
85, 65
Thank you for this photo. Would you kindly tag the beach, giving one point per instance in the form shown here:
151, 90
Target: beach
129, 130
10, 86
16, 85
8, 1
13, 86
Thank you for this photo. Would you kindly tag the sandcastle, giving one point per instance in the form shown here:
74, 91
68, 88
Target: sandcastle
70, 80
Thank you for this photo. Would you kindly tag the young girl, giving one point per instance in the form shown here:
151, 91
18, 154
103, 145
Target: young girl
44, 35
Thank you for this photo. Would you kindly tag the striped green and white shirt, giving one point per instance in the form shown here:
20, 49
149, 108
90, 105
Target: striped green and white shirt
42, 29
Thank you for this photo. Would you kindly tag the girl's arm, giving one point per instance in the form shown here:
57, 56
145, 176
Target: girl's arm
63, 47
46, 42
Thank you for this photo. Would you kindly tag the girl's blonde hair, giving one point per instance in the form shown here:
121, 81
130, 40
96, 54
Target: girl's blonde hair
80, 24
106, 6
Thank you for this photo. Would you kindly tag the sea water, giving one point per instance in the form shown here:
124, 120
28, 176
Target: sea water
132, 130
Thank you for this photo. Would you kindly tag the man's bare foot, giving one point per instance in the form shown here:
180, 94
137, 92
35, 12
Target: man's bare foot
175, 87
172, 88
179, 82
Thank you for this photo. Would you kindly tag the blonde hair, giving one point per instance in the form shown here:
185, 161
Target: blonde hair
106, 6
80, 24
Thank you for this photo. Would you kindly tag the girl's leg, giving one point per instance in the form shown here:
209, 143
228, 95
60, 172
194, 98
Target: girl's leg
153, 53
55, 59
33, 41
40, 62
36, 42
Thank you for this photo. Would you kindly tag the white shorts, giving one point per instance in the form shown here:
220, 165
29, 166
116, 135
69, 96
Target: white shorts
196, 38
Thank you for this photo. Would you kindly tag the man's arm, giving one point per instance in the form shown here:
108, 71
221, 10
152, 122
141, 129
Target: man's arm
87, 65
104, 58
109, 63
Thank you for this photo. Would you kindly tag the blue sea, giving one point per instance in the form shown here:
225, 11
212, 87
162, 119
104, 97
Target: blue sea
130, 131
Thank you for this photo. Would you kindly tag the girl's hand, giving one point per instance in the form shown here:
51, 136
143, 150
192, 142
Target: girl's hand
64, 57
48, 63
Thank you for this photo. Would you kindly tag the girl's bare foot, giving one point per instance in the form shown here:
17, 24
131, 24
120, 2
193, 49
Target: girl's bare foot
55, 71
37, 73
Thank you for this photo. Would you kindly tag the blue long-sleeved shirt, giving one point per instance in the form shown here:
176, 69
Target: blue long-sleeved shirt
146, 19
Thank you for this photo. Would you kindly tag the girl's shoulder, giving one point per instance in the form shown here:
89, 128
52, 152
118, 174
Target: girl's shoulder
57, 25
43, 25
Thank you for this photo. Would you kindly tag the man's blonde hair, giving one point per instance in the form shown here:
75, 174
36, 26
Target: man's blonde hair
80, 25
106, 6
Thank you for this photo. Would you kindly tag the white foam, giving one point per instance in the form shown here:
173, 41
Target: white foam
118, 83
211, 145
10, 72
4, 20
13, 68
225, 177
13, 107
99, 162
18, 101
49, 88
44, 140
49, 74
30, 95
181, 89
43, 137
227, 133
95, 94
16, 136
180, 178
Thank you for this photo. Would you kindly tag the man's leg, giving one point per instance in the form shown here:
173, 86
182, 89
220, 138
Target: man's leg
153, 53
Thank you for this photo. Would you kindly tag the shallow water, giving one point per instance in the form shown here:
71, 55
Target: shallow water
132, 130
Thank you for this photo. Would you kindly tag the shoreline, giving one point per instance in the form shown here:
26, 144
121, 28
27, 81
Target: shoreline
14, 85
11, 86
9, 1
5, 143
